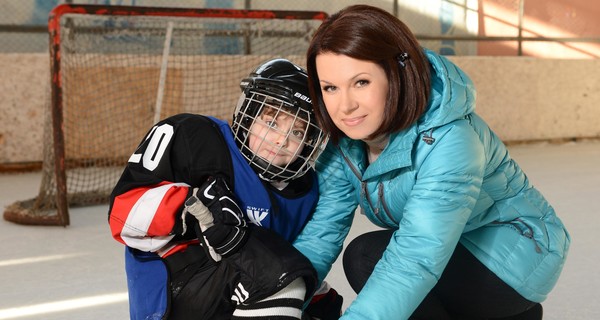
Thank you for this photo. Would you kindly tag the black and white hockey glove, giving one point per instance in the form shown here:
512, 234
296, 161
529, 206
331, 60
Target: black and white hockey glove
221, 220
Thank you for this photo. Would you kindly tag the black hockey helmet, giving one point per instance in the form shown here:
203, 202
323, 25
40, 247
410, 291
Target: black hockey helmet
281, 86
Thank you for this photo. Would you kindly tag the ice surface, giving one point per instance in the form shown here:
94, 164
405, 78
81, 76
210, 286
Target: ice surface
77, 272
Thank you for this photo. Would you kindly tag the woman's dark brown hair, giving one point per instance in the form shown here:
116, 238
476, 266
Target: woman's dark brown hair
368, 33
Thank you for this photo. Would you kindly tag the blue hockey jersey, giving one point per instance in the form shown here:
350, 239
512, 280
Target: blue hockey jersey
176, 155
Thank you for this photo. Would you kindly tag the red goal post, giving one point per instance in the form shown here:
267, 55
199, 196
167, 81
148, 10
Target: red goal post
116, 70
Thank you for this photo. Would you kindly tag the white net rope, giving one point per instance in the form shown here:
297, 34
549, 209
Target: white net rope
120, 74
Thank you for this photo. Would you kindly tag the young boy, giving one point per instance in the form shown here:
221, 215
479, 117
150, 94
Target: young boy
219, 205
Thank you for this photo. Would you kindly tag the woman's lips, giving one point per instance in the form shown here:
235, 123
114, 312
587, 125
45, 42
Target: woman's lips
351, 122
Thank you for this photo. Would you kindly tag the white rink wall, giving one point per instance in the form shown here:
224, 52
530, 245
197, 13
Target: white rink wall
522, 98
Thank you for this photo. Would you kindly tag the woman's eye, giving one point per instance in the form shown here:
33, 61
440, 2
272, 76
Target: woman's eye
362, 83
328, 88
271, 123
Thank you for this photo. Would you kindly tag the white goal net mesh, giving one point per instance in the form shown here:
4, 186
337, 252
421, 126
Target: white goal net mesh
117, 74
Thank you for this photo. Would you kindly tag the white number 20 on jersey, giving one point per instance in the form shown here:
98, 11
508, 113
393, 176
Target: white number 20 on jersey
159, 136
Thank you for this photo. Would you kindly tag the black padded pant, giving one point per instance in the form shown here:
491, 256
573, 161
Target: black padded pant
466, 290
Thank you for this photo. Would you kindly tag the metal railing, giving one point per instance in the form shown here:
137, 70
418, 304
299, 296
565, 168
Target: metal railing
32, 33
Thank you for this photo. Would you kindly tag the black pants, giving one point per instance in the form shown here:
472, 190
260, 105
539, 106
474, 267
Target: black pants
466, 290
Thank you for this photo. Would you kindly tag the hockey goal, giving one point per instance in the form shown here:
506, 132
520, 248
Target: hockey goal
116, 70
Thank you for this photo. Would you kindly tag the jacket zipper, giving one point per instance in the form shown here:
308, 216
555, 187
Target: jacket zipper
363, 188
383, 204
528, 233
364, 193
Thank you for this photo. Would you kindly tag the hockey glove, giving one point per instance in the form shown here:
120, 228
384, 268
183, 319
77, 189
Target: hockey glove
221, 220
325, 306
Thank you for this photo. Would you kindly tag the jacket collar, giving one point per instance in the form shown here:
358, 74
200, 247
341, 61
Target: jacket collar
397, 154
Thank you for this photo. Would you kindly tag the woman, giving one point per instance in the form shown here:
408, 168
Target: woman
467, 236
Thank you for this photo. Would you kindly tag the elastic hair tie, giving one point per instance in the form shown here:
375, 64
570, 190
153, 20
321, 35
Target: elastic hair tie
401, 58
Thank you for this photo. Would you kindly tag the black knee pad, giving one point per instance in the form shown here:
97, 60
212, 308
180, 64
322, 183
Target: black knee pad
361, 256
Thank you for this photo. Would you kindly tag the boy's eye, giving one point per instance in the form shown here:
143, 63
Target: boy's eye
271, 123
298, 133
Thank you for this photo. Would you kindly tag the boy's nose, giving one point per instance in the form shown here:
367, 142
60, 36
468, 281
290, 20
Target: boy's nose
282, 139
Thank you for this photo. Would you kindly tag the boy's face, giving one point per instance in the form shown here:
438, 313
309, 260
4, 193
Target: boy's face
277, 136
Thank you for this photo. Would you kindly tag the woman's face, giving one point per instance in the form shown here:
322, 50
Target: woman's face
354, 92
277, 138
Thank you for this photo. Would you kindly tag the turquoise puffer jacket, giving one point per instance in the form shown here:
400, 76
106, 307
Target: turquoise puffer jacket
446, 179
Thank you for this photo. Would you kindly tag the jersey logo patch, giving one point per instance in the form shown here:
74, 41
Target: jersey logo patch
240, 294
256, 215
